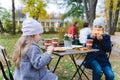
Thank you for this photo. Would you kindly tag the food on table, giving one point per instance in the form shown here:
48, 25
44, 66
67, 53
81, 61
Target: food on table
76, 48
59, 49
83, 48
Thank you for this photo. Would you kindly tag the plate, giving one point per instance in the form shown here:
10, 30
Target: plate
76, 46
59, 49
68, 47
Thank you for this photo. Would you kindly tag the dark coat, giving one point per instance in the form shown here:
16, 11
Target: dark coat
104, 46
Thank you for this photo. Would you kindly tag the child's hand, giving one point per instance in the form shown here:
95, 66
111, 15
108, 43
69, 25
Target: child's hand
50, 49
93, 35
99, 37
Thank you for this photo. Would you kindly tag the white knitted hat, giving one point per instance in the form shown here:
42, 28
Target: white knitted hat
31, 27
99, 21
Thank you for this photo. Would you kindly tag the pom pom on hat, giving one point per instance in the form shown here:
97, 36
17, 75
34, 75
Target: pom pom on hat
99, 21
31, 27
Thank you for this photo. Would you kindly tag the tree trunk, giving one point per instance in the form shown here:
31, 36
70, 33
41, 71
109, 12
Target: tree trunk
110, 17
86, 10
13, 17
1, 26
113, 19
90, 10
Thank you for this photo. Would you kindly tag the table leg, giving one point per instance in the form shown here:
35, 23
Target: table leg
57, 63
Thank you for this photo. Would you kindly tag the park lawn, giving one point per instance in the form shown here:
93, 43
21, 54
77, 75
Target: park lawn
9, 41
64, 70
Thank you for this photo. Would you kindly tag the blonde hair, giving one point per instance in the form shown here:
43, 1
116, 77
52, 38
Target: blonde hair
19, 47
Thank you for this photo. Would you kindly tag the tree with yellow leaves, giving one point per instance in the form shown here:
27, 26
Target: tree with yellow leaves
36, 9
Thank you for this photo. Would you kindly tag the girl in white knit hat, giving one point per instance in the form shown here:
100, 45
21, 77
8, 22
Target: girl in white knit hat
98, 61
30, 63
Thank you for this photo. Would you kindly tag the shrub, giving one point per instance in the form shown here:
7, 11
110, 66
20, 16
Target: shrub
8, 26
61, 32
18, 28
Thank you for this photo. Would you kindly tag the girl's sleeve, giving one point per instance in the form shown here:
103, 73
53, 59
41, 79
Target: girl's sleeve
37, 59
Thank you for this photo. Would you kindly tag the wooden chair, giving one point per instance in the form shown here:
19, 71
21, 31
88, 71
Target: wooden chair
81, 69
3, 53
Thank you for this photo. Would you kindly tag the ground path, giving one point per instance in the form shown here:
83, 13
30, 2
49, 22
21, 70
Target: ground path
115, 56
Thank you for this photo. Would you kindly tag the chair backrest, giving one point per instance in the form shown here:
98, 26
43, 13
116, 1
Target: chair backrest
109, 53
3, 53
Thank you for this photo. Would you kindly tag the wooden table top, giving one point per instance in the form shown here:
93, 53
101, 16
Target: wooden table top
71, 52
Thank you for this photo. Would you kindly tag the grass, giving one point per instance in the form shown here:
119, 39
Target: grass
65, 69
9, 41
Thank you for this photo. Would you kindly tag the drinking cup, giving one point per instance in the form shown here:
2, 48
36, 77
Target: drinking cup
89, 43
48, 41
54, 40
55, 44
